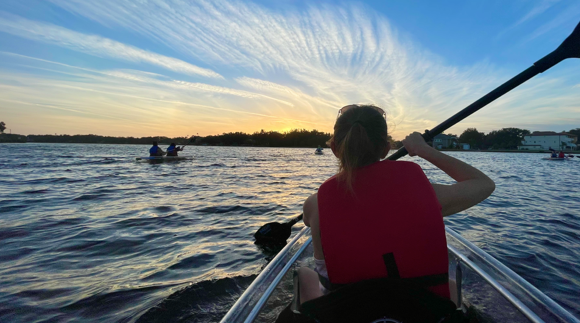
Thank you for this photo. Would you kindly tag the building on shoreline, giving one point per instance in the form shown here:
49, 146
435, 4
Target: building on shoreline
442, 141
544, 140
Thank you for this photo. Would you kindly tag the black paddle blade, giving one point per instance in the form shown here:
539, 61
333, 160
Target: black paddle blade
273, 232
572, 44
570, 48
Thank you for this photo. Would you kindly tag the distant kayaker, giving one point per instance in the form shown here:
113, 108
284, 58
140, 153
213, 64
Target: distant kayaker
319, 149
561, 154
173, 149
554, 155
156, 151
383, 218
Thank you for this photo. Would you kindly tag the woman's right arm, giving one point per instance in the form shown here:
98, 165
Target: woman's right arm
472, 185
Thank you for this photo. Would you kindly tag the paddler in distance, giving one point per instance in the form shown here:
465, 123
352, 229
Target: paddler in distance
391, 212
156, 151
173, 149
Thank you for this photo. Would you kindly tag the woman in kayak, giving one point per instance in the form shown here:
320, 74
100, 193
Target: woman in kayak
155, 150
383, 218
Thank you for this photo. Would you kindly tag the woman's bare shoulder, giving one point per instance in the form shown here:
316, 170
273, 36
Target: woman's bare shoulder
311, 209
312, 199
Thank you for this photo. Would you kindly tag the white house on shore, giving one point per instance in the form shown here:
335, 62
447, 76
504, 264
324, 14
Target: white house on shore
544, 140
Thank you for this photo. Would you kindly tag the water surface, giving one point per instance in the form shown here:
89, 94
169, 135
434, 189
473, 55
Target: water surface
88, 234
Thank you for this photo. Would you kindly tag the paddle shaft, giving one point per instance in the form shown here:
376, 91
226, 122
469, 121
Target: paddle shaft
190, 141
296, 219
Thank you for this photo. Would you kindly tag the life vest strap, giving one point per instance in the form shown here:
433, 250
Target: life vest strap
391, 264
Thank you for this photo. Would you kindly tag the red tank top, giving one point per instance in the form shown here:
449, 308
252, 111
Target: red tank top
391, 226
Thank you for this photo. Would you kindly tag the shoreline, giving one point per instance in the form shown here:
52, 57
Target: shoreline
162, 143
12, 138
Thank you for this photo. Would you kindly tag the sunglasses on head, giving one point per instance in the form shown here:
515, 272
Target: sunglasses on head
345, 108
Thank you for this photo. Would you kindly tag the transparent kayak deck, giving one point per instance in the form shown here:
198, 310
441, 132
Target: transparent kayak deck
488, 290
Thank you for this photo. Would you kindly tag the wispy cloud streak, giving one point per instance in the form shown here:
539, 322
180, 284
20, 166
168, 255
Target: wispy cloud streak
569, 16
94, 45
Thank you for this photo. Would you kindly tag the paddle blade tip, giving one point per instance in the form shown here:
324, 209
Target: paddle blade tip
572, 44
273, 232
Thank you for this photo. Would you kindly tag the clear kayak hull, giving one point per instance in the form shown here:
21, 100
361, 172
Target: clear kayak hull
487, 290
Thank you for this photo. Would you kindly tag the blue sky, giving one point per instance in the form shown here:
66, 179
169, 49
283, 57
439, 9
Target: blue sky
160, 67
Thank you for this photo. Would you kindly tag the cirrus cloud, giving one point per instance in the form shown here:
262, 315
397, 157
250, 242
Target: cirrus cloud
94, 45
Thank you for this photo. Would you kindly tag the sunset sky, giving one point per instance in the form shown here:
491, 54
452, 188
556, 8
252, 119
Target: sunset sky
176, 68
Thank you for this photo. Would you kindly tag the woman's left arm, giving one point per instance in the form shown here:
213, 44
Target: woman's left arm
310, 205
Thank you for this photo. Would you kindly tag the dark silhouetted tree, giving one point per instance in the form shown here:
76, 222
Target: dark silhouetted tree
506, 138
2, 126
575, 132
472, 137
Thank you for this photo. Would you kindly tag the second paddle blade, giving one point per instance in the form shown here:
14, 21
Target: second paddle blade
273, 232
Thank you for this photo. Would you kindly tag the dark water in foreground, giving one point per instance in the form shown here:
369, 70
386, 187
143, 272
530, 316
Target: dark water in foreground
86, 235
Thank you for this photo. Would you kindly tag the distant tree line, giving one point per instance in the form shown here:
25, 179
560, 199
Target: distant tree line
4, 137
96, 139
293, 138
503, 139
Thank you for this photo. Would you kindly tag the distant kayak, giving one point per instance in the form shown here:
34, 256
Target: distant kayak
318, 153
556, 158
163, 158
